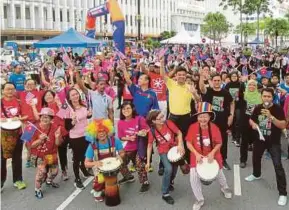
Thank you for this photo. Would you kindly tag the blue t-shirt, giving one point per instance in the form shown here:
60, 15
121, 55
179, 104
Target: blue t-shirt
103, 148
285, 87
18, 80
144, 101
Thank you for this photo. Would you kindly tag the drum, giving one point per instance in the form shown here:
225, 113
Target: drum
110, 169
173, 155
207, 171
10, 124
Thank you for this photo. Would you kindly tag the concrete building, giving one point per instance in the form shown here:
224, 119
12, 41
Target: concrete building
39, 19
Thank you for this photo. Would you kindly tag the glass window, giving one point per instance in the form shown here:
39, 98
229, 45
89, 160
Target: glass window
18, 13
53, 15
45, 13
27, 13
126, 19
5, 12
68, 17
61, 16
131, 20
148, 22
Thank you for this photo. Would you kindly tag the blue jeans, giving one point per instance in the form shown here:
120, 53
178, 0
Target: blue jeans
169, 174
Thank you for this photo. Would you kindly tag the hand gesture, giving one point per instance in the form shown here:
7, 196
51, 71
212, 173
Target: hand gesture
210, 157
199, 158
57, 101
42, 137
266, 112
147, 167
98, 164
180, 150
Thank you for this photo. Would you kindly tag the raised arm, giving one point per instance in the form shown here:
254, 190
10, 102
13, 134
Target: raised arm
202, 82
80, 83
125, 73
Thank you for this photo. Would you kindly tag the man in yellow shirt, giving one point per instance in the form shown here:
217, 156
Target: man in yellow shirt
180, 97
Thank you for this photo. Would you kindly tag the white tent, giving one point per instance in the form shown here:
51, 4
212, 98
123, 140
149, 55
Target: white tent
181, 37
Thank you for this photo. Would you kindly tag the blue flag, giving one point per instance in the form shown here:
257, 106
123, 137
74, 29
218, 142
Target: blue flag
28, 132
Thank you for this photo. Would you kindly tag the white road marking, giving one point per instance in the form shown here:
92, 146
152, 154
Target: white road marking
74, 194
237, 180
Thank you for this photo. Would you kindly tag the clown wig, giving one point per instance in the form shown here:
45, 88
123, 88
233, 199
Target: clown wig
96, 126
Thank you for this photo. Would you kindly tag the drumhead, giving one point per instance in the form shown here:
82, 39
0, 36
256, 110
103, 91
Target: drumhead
207, 171
110, 164
11, 125
173, 154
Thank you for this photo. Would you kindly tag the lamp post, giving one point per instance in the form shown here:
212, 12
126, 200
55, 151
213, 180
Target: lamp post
138, 21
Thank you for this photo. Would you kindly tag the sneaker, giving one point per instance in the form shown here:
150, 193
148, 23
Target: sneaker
252, 178
132, 169
28, 164
52, 184
282, 201
198, 205
38, 193
226, 166
151, 169
144, 187
161, 171
127, 179
237, 144
99, 199
20, 185
168, 199
78, 184
243, 165
64, 176
227, 193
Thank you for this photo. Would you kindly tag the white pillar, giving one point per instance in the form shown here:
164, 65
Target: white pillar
84, 15
2, 15
23, 16
64, 15
71, 14
57, 16
32, 16
49, 16
41, 16
78, 15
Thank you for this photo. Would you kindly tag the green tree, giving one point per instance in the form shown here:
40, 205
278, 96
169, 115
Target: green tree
277, 27
167, 34
215, 27
247, 28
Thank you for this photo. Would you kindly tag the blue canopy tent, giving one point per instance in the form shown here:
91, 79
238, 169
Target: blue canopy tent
70, 38
256, 41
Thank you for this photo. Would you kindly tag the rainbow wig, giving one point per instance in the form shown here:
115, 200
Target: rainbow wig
96, 126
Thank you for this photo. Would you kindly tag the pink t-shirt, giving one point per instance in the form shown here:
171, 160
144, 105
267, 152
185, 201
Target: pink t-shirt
79, 129
130, 128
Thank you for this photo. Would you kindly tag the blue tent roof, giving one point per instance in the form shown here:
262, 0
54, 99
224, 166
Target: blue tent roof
256, 41
70, 38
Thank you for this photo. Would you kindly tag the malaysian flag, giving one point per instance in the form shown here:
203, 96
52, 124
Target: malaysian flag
29, 96
28, 132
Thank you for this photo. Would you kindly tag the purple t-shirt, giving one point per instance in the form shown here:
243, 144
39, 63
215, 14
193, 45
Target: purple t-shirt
130, 128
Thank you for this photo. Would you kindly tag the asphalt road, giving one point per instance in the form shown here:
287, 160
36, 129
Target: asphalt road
259, 195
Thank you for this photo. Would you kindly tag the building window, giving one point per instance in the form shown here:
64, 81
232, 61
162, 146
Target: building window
149, 22
53, 15
126, 19
45, 13
61, 16
5, 12
68, 17
18, 13
27, 13
131, 20
125, 1
153, 22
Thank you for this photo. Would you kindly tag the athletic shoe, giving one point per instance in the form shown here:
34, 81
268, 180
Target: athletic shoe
282, 201
161, 171
78, 184
144, 187
168, 199
20, 185
52, 184
28, 164
99, 199
64, 176
251, 178
127, 179
132, 168
227, 193
243, 165
38, 193
198, 205
226, 166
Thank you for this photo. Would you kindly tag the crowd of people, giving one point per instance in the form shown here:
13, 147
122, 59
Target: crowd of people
173, 97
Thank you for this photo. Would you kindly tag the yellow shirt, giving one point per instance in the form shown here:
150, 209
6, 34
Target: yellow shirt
179, 97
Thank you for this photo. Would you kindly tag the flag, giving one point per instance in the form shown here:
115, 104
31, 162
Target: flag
29, 96
28, 132
162, 52
119, 54
63, 111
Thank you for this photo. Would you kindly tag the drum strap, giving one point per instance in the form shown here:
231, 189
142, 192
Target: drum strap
3, 110
210, 136
154, 130
111, 148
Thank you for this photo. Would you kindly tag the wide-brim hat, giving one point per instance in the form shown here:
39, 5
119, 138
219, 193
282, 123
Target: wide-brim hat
205, 107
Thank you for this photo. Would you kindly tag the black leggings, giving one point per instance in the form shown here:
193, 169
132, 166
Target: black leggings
78, 146
62, 153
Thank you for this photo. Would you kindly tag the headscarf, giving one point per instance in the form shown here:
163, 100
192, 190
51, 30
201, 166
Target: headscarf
254, 97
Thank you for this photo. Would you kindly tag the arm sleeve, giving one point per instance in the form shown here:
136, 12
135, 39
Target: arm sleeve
89, 152
118, 145
120, 130
279, 113
132, 89
155, 102
217, 137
